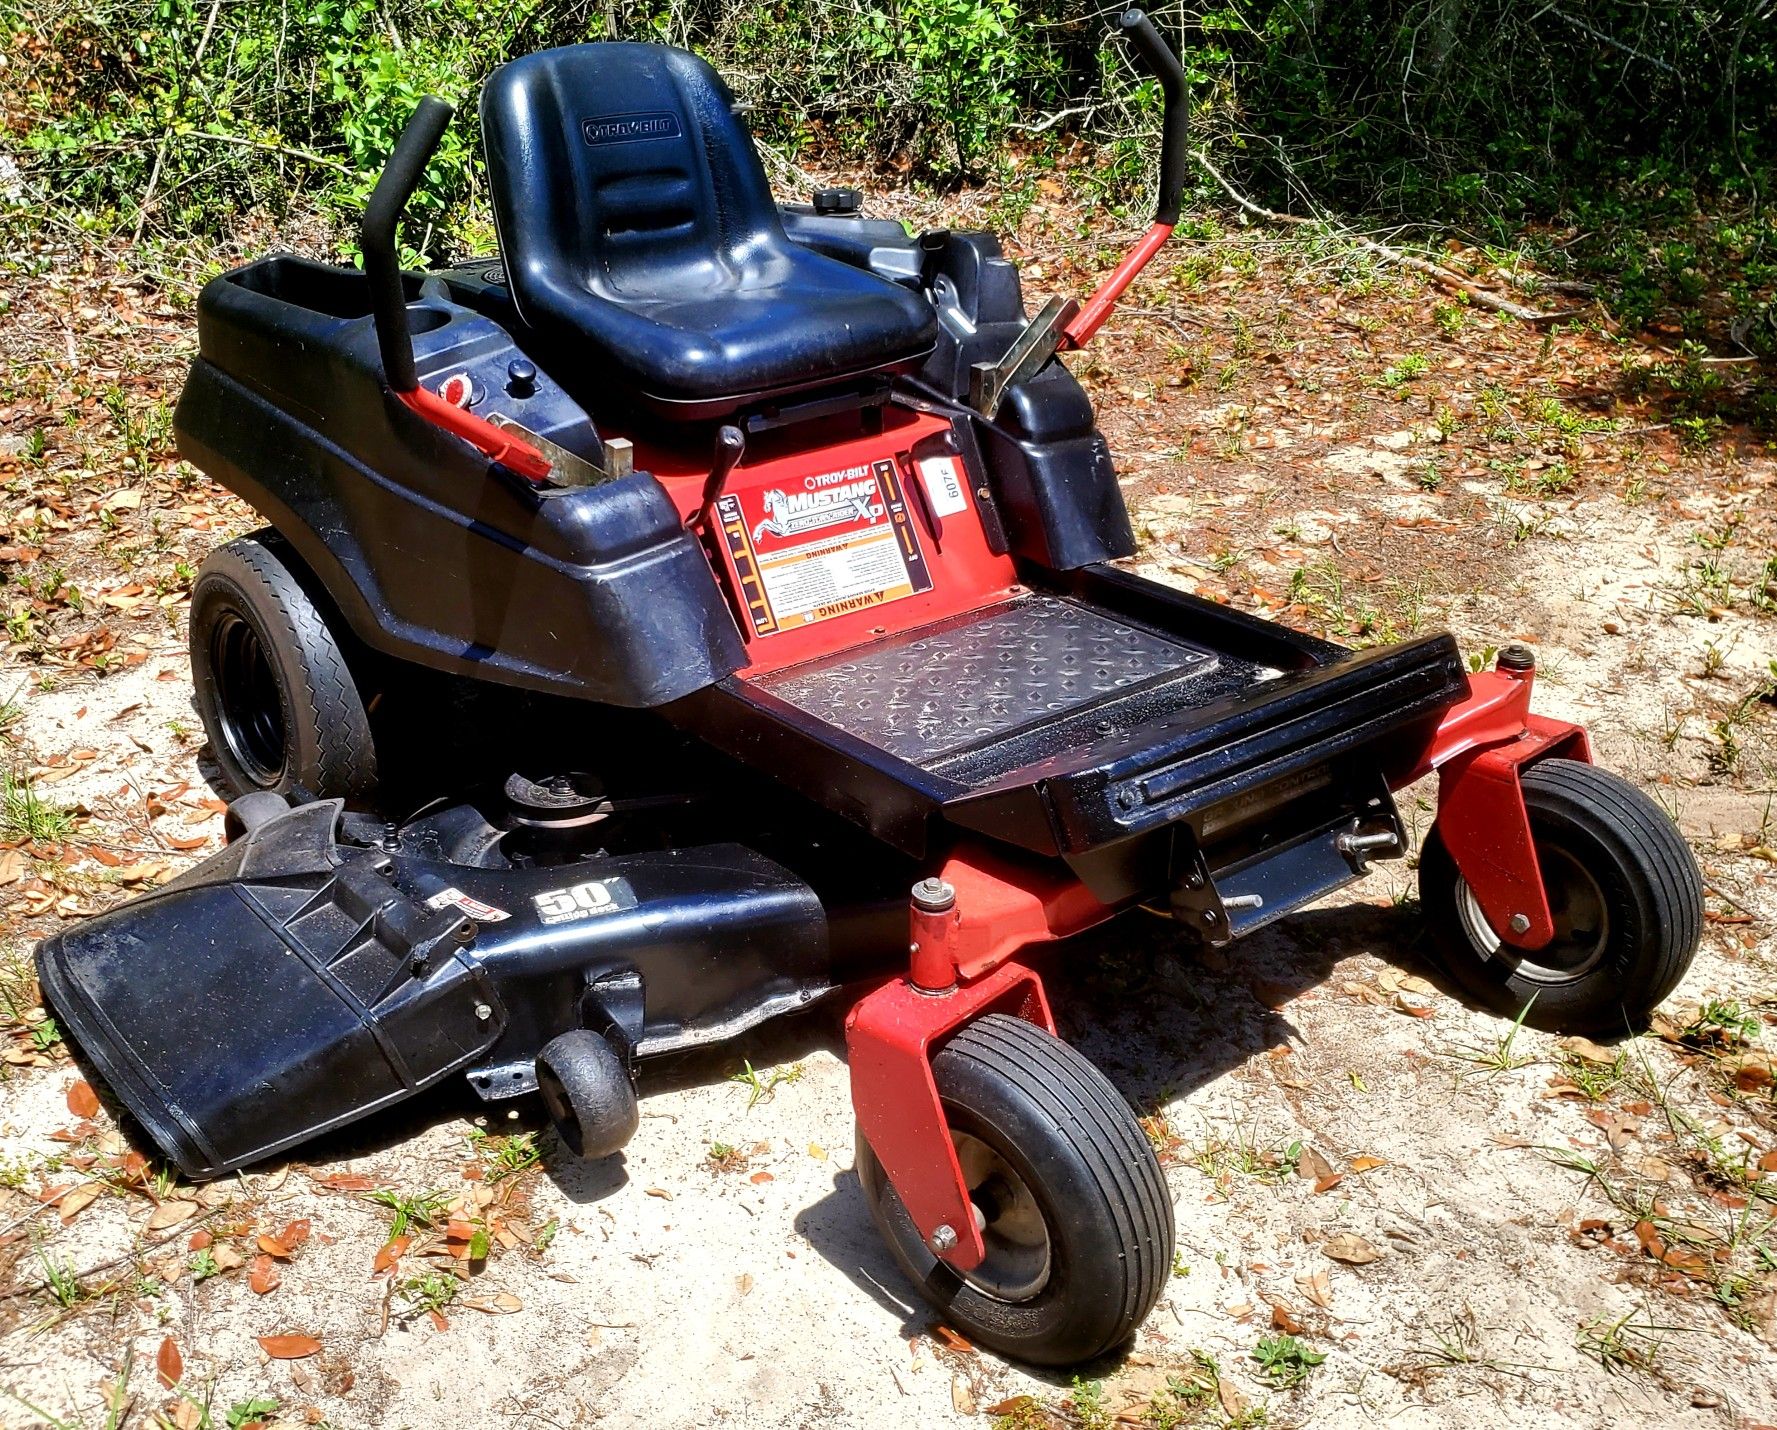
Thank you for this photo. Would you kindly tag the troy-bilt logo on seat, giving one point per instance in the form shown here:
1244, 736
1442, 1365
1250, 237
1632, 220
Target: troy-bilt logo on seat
791, 513
626, 128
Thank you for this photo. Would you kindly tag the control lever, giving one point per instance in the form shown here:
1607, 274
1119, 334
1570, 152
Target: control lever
1042, 336
731, 446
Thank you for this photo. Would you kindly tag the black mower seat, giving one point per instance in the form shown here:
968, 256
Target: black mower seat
641, 238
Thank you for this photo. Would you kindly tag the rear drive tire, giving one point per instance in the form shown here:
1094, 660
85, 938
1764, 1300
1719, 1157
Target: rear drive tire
1077, 1218
588, 1094
272, 686
1625, 892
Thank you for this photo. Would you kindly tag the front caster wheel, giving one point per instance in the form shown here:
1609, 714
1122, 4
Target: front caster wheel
588, 1094
1072, 1203
1625, 892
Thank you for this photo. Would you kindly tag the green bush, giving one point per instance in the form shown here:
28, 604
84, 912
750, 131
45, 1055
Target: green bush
1615, 116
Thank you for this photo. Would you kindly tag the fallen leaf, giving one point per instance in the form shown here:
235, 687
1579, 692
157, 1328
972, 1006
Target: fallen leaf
169, 1364
1587, 1051
1233, 1402
1326, 1184
391, 1252
171, 1214
503, 1304
289, 1347
1312, 1167
440, 1321
952, 1340
1317, 1286
962, 1399
759, 1179
74, 1202
1283, 1319
199, 1240
1350, 1248
265, 1277
660, 1192
271, 1246
1366, 1164
1010, 1407
82, 1100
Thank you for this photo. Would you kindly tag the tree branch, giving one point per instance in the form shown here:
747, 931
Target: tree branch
1476, 294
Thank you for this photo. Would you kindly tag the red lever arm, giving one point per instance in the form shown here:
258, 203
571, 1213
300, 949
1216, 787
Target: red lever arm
497, 443
1098, 307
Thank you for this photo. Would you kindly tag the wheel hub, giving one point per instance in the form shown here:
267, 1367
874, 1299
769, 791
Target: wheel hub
1581, 918
248, 706
1017, 1261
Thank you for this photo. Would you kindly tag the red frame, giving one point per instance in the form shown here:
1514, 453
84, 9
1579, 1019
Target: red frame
962, 960
966, 574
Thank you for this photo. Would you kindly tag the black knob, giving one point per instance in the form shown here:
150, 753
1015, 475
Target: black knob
521, 377
1515, 657
837, 201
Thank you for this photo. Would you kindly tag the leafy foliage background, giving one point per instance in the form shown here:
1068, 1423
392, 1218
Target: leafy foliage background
1621, 118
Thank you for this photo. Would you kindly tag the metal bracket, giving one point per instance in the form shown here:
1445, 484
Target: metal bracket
1041, 339
1196, 902
889, 1038
566, 468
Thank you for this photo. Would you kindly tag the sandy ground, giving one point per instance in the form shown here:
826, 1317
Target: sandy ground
1312, 1085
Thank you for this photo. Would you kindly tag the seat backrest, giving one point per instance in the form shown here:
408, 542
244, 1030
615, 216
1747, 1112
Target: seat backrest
623, 170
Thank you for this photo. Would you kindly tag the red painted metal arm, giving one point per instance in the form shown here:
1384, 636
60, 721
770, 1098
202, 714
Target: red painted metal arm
496, 443
1098, 307
1479, 751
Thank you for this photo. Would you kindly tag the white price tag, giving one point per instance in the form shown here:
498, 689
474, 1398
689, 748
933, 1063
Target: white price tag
944, 485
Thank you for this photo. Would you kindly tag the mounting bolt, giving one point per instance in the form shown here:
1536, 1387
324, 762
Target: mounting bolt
1515, 658
483, 1012
1519, 923
1210, 916
1126, 798
933, 896
943, 1239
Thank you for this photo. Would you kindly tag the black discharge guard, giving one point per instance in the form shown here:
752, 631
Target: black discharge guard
294, 983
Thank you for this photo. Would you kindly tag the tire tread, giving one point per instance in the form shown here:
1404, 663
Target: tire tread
1073, 1094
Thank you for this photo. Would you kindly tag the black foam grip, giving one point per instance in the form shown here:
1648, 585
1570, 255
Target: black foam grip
1157, 55
382, 261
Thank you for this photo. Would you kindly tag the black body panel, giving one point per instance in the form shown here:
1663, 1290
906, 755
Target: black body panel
431, 554
1051, 470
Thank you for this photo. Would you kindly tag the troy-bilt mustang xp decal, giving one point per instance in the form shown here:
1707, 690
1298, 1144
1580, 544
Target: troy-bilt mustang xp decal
836, 542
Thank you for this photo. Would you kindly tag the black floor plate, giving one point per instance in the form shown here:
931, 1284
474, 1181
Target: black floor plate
979, 678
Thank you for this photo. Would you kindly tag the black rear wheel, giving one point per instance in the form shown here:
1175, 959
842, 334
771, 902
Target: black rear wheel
277, 699
1070, 1200
1626, 896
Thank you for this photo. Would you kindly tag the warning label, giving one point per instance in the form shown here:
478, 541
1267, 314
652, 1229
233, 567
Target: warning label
823, 546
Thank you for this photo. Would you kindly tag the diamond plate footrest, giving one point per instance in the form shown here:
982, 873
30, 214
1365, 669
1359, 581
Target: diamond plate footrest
977, 679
